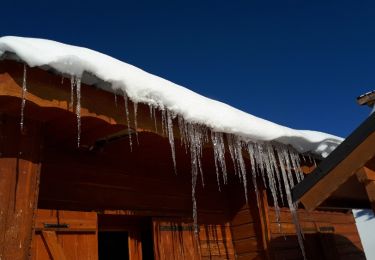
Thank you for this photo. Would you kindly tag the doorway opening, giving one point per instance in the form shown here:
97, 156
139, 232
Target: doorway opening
113, 245
125, 237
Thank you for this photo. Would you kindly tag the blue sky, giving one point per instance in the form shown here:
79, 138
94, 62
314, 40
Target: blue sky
297, 63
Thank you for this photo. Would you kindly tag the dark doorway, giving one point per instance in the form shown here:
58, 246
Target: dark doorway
147, 241
113, 245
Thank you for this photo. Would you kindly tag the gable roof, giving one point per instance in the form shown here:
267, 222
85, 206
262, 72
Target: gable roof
338, 167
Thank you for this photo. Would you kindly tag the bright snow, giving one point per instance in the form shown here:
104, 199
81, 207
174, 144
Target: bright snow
143, 87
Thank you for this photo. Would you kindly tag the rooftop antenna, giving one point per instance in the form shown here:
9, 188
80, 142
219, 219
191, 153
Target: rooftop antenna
367, 99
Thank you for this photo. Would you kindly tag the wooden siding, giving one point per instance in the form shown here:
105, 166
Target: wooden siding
328, 235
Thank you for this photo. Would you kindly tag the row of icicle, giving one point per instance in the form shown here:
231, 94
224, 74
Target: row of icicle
277, 165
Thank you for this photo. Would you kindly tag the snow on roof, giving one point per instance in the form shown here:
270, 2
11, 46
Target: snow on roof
144, 87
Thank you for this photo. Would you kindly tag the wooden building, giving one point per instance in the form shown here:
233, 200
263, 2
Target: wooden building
102, 200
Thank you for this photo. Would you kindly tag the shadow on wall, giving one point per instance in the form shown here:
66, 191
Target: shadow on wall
321, 246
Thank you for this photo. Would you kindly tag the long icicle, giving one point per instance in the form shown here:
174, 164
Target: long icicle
72, 83
78, 109
171, 139
135, 109
292, 206
24, 92
250, 149
128, 120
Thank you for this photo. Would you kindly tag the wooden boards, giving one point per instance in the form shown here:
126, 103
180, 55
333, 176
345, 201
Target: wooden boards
65, 235
19, 185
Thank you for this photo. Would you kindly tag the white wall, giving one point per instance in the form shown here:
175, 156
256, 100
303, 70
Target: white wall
365, 221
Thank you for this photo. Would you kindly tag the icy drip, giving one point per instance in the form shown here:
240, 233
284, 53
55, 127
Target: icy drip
115, 99
24, 92
219, 156
274, 165
296, 165
128, 120
292, 206
250, 149
163, 121
240, 163
153, 116
182, 126
231, 152
265, 151
194, 139
171, 139
78, 109
258, 154
72, 83
285, 164
135, 108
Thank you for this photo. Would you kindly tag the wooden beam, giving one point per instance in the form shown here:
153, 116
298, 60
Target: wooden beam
19, 186
367, 177
53, 246
340, 174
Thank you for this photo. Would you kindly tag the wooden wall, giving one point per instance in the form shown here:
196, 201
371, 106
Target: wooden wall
328, 235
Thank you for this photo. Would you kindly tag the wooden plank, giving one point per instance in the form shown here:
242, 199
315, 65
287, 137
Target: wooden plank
19, 185
67, 221
53, 245
79, 240
367, 176
341, 173
135, 245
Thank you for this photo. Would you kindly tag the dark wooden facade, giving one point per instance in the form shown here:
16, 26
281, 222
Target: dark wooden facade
58, 201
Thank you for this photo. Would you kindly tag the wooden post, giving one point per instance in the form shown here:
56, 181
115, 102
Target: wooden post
367, 176
19, 185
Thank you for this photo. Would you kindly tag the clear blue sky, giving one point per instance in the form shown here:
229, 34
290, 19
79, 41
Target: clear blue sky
297, 63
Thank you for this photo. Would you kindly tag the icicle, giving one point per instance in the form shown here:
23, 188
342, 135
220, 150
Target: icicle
182, 126
171, 139
62, 79
266, 150
128, 120
72, 83
219, 156
24, 92
275, 168
285, 164
250, 149
135, 107
292, 206
163, 121
194, 176
258, 154
232, 153
241, 165
78, 109
296, 165
153, 115
115, 99
194, 139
